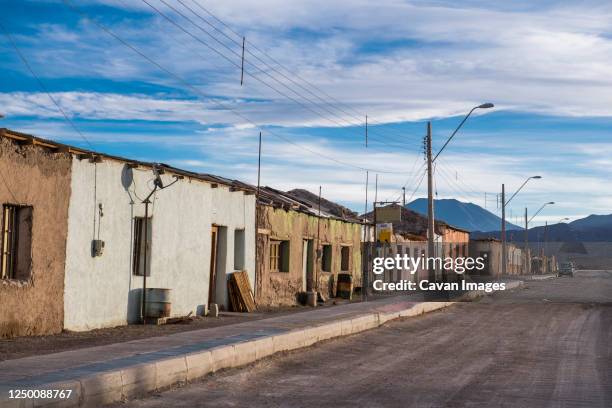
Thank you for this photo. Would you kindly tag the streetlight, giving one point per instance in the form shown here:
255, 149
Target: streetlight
503, 226
546, 233
537, 212
521, 187
527, 221
487, 105
430, 205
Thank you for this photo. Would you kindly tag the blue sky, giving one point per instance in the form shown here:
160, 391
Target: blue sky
546, 65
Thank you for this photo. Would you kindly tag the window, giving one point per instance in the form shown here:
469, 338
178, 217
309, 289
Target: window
345, 256
279, 256
16, 261
138, 263
326, 258
238, 249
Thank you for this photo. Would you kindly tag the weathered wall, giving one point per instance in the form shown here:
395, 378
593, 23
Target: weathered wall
102, 291
282, 288
516, 260
36, 177
455, 242
494, 255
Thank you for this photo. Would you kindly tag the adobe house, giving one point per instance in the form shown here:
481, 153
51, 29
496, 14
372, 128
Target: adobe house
35, 187
451, 241
491, 250
410, 237
82, 265
301, 249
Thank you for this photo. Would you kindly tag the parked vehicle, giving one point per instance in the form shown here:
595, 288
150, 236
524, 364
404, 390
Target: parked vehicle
566, 268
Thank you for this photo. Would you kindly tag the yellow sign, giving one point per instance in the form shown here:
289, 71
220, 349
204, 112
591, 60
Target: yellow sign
384, 232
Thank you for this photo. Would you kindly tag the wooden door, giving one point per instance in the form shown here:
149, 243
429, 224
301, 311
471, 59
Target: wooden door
213, 264
304, 264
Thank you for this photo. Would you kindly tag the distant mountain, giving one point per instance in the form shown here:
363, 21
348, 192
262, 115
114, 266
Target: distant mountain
467, 216
592, 221
594, 228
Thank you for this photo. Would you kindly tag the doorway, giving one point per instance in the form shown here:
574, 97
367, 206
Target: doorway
307, 252
214, 239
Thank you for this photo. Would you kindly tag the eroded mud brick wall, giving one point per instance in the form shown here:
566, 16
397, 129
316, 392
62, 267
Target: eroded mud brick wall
282, 288
33, 176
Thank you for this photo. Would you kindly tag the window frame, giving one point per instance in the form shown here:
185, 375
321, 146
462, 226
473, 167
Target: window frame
9, 231
280, 256
274, 255
346, 248
324, 257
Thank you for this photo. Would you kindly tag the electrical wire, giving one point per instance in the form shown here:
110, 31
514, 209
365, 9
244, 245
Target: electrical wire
468, 186
69, 4
360, 115
259, 70
417, 187
42, 85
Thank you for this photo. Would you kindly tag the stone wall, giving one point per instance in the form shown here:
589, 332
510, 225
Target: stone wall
283, 288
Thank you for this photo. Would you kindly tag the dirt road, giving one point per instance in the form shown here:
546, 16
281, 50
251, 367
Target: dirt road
548, 345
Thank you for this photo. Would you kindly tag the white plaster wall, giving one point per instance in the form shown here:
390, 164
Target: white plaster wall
101, 291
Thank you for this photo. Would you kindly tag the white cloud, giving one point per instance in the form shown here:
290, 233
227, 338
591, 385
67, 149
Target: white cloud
552, 58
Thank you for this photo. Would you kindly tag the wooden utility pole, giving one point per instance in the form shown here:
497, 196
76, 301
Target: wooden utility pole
545, 238
430, 205
527, 266
257, 272
503, 230
365, 254
404, 197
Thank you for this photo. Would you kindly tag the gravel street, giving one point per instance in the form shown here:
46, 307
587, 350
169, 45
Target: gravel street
547, 345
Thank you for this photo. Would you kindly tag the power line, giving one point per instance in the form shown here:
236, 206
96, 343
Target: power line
468, 196
213, 100
41, 84
272, 68
257, 68
467, 190
464, 182
359, 116
417, 187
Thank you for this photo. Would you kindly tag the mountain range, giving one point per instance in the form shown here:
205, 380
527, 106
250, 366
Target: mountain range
594, 228
468, 216
484, 224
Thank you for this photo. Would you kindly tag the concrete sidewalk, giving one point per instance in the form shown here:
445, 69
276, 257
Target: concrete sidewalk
110, 373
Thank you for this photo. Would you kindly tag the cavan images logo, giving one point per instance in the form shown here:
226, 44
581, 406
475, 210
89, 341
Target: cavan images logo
458, 265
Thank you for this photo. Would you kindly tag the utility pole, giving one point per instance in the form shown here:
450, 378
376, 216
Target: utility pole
257, 194
527, 266
545, 238
404, 197
503, 229
430, 204
365, 257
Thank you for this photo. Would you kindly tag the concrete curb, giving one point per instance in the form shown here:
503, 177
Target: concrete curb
137, 380
542, 277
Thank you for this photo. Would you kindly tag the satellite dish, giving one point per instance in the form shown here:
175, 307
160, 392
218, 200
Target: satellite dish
127, 177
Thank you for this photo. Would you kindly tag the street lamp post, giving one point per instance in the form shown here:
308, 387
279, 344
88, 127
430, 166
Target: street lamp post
430, 205
527, 221
503, 226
